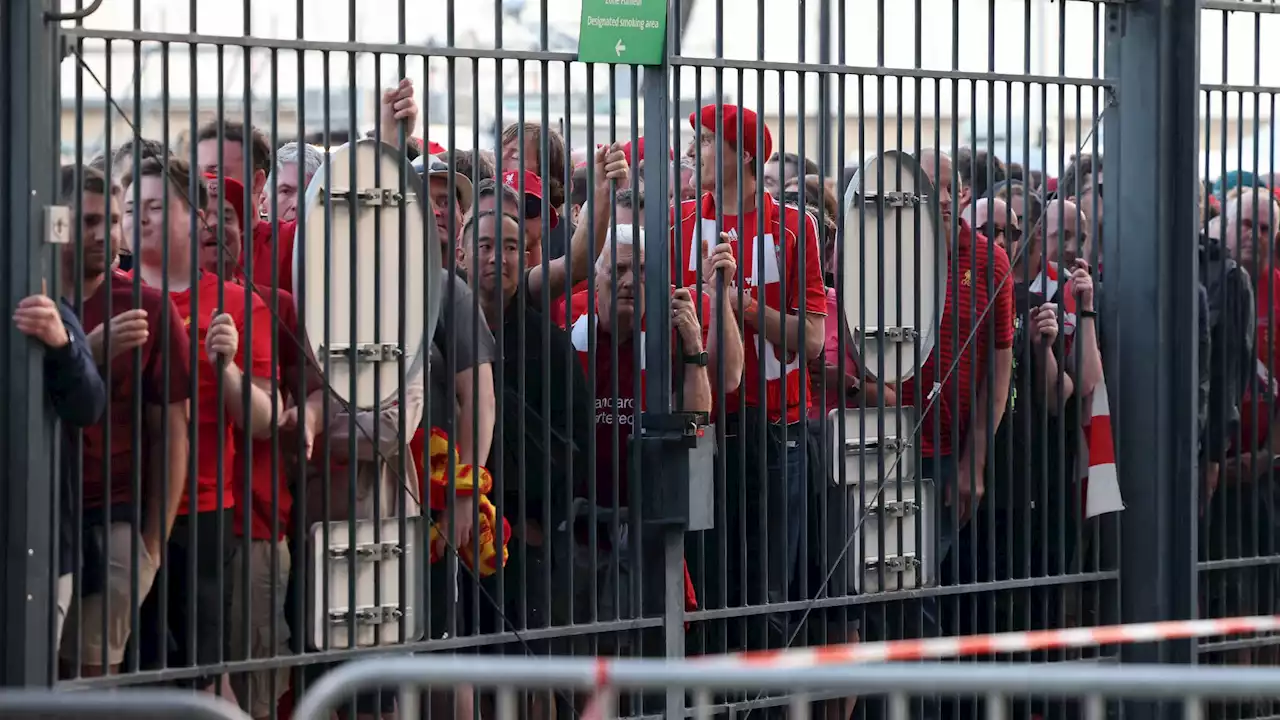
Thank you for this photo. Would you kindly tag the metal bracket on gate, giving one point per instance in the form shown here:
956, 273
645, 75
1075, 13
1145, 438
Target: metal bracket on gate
869, 446
57, 224
891, 334
895, 199
371, 552
893, 563
373, 197
363, 352
895, 508
368, 615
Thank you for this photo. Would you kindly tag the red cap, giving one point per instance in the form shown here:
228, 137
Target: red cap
1051, 184
234, 194
634, 152
435, 148
532, 192
749, 128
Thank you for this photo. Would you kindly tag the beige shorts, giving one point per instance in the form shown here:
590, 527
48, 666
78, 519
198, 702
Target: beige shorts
85, 618
259, 691
66, 586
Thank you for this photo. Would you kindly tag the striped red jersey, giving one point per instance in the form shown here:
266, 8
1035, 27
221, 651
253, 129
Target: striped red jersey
765, 260
979, 275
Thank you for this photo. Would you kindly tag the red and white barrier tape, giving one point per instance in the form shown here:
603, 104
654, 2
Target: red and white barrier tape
963, 646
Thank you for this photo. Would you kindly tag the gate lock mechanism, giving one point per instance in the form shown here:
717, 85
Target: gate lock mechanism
677, 451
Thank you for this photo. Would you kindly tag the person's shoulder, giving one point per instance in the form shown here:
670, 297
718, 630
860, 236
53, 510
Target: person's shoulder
283, 230
578, 305
797, 222
686, 211
237, 300
150, 298
999, 256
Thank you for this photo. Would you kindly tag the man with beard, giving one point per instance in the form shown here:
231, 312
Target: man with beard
72, 384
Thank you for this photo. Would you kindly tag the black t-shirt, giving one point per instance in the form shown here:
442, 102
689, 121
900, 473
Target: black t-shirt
1034, 448
546, 414
556, 242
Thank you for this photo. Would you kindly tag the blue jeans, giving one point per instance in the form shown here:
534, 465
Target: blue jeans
942, 471
751, 555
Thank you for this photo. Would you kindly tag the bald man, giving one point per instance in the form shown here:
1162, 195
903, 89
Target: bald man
1066, 233
958, 464
995, 219
937, 166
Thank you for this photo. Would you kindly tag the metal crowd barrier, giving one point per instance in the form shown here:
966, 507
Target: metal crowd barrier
130, 704
1094, 685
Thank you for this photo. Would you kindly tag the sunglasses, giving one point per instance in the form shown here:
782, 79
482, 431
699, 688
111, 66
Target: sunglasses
1011, 233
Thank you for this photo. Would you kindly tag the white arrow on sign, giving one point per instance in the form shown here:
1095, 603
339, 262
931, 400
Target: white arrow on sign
619, 47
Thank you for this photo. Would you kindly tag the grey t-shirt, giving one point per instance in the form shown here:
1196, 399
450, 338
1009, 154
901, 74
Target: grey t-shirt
454, 337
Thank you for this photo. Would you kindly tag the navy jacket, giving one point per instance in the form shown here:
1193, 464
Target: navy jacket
79, 397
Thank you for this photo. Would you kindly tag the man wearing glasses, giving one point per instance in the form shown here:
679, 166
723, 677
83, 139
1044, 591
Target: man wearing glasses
996, 220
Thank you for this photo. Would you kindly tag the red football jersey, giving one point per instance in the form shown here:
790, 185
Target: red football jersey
248, 311
786, 231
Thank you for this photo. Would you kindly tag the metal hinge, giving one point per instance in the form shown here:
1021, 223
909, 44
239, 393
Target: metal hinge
866, 446
892, 334
373, 197
369, 615
896, 508
372, 552
893, 563
895, 199
364, 352
57, 224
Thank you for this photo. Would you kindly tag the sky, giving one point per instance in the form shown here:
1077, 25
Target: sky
984, 37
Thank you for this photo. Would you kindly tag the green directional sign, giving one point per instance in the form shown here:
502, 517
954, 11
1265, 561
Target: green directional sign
631, 32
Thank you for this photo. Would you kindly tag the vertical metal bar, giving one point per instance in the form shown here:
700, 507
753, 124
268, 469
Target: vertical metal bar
657, 314
1158, 127
28, 138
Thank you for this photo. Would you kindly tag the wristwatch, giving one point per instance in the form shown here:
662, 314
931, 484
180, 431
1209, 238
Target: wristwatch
700, 359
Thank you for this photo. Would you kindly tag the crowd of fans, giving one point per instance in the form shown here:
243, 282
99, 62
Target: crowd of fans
201, 443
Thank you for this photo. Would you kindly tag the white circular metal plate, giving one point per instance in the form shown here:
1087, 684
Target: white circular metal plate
894, 264
374, 295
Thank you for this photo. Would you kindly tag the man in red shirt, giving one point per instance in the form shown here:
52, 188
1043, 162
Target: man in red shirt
231, 329
782, 305
266, 501
962, 418
271, 256
122, 530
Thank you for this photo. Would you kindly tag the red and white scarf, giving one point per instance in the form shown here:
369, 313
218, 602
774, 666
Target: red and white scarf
1096, 467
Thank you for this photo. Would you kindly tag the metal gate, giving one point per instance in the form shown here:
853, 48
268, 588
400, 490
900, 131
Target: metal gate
701, 552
